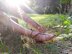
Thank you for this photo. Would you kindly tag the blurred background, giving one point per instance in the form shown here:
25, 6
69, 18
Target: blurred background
56, 17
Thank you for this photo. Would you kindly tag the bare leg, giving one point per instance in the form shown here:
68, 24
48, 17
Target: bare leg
19, 13
34, 34
30, 21
17, 28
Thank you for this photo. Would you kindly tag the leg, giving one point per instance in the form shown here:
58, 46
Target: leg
19, 13
34, 34
17, 28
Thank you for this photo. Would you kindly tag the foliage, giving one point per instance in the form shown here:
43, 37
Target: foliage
59, 23
45, 6
65, 1
51, 20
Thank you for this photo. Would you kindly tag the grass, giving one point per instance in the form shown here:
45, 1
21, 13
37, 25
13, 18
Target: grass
46, 19
49, 19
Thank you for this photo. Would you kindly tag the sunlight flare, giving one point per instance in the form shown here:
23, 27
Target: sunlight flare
15, 3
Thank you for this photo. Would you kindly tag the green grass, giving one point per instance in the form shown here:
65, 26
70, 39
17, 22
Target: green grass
49, 19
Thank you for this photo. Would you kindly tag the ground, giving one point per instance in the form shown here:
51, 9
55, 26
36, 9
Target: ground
56, 46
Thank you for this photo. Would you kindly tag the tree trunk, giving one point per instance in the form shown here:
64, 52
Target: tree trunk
70, 10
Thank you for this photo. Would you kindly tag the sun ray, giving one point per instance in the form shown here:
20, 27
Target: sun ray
17, 2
